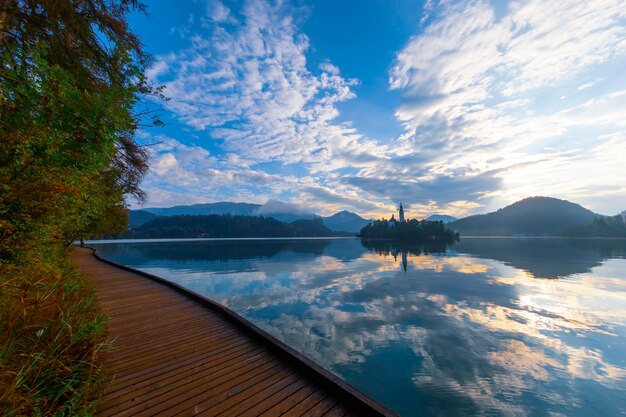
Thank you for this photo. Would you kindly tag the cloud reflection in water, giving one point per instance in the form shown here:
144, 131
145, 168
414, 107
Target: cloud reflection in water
487, 327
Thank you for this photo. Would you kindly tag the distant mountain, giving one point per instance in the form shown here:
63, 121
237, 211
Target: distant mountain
284, 212
441, 218
534, 216
236, 209
225, 226
288, 217
345, 221
138, 217
280, 211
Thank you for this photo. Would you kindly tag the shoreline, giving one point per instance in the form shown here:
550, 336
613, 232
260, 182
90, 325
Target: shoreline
217, 239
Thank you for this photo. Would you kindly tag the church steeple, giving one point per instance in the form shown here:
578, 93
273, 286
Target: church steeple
401, 214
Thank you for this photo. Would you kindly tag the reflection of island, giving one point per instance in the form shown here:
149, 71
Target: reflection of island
541, 257
387, 247
545, 257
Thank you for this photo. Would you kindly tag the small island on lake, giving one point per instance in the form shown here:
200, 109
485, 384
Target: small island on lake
412, 230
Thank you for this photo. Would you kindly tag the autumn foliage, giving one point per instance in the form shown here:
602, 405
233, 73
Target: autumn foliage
71, 84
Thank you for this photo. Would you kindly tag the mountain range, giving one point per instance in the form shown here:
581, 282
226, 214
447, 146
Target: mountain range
235, 209
533, 216
343, 221
225, 226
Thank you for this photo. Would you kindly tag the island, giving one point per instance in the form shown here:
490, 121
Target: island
403, 230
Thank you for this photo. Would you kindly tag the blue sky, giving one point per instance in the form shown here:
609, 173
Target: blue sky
454, 107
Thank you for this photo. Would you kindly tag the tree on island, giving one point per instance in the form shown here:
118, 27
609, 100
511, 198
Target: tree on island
410, 231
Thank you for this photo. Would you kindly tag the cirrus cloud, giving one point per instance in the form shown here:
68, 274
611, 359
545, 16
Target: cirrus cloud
485, 89
497, 103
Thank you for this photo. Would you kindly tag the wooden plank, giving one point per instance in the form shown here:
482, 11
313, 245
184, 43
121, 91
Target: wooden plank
126, 359
135, 310
339, 410
217, 350
160, 355
210, 391
180, 325
215, 369
291, 401
172, 379
322, 407
239, 389
148, 338
218, 347
240, 402
268, 397
307, 404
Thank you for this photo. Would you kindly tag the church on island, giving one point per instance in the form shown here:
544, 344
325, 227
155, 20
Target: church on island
392, 221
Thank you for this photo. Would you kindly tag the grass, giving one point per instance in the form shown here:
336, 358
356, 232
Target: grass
51, 332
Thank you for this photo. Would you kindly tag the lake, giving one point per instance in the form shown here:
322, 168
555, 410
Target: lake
487, 326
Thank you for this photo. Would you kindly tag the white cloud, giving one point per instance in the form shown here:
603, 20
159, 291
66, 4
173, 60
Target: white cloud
217, 12
273, 206
483, 90
162, 164
329, 68
246, 83
188, 174
250, 86
158, 68
492, 104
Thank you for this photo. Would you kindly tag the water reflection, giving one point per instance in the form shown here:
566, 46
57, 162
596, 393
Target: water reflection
547, 257
463, 330
389, 248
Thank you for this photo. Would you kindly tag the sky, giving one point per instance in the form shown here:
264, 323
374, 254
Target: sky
450, 107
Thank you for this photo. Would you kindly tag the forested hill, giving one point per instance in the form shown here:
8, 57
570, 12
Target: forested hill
601, 226
138, 217
441, 218
343, 221
225, 226
535, 216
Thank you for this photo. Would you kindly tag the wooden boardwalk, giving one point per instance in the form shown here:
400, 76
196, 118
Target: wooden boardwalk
176, 353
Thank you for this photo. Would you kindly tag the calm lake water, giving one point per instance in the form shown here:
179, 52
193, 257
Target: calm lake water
489, 326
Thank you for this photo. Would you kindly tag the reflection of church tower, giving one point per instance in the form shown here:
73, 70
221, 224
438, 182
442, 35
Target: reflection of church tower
404, 260
401, 214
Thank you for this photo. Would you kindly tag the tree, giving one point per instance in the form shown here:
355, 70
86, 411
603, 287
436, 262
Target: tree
72, 87
410, 231
71, 77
